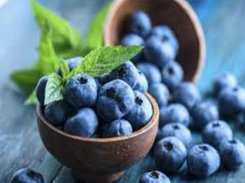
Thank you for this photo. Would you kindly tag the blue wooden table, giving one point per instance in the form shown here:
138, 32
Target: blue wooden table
20, 145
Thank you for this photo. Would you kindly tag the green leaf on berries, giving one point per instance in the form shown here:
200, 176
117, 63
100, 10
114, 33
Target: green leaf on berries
32, 99
64, 68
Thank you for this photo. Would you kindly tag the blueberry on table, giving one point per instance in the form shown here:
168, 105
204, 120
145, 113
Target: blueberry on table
141, 112
115, 100
232, 154
177, 130
187, 94
72, 62
204, 113
203, 160
140, 24
84, 123
170, 154
81, 91
154, 177
226, 80
142, 83
160, 92
27, 175
40, 89
216, 132
174, 113
118, 128
231, 101
151, 72
132, 40
172, 75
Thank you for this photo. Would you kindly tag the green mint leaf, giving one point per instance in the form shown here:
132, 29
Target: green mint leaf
105, 59
32, 99
95, 36
54, 89
64, 68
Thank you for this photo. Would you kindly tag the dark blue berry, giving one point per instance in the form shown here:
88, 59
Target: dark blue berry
132, 40
160, 92
27, 175
154, 177
223, 81
40, 89
142, 83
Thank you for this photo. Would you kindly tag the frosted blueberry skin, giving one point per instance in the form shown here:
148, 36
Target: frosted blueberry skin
40, 89
203, 160
83, 124
81, 91
132, 40
160, 92
170, 154
216, 132
154, 177
115, 100
72, 62
142, 83
27, 175
223, 81
231, 101
174, 113
232, 154
141, 112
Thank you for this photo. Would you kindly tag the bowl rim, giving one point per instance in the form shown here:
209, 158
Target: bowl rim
153, 120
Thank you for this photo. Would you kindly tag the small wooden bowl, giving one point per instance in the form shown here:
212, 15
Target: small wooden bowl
94, 160
178, 14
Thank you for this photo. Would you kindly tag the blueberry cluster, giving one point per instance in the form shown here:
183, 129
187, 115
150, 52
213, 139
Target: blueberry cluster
110, 105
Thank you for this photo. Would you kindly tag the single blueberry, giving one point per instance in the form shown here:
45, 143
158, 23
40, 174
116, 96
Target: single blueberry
170, 154
187, 94
172, 75
84, 123
174, 113
151, 72
203, 160
140, 24
40, 89
102, 79
154, 177
115, 100
72, 62
231, 101
204, 113
177, 130
27, 175
158, 52
232, 154
226, 80
142, 83
216, 132
160, 92
132, 40
141, 112
118, 128
81, 91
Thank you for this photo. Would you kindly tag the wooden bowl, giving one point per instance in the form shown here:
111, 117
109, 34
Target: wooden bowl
94, 160
178, 14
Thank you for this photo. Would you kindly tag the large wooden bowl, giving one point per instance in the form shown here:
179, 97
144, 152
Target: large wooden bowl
95, 160
178, 14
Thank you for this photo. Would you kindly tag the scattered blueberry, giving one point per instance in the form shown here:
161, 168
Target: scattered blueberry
115, 99
27, 175
132, 40
73, 62
142, 83
84, 123
160, 92
223, 81
203, 160
40, 89
154, 177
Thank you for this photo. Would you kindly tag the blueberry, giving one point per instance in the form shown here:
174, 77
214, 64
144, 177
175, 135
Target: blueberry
160, 92
174, 113
84, 123
172, 75
151, 72
81, 91
154, 177
118, 128
102, 79
159, 53
204, 113
187, 94
141, 112
231, 101
126, 72
57, 112
223, 81
73, 62
115, 100
203, 160
170, 154
216, 132
142, 83
232, 154
40, 89
27, 175
132, 40
140, 24
176, 130
165, 33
